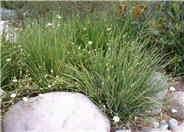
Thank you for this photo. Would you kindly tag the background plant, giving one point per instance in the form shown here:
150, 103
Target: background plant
170, 31
164, 23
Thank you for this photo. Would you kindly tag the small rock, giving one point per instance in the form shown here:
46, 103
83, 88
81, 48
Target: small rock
172, 123
154, 123
154, 130
163, 125
160, 130
162, 85
128, 130
176, 102
147, 129
179, 128
56, 111
182, 124
163, 122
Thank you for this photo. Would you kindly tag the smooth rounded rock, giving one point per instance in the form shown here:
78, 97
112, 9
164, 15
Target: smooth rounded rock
147, 129
163, 125
160, 130
172, 123
154, 123
178, 129
176, 102
161, 84
128, 130
56, 111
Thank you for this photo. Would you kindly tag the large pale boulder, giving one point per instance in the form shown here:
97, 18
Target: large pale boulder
56, 111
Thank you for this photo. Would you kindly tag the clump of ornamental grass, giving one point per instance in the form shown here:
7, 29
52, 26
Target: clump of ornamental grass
118, 80
49, 45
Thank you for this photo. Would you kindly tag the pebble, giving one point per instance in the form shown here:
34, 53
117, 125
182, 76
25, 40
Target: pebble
163, 125
154, 123
176, 104
172, 123
179, 128
159, 130
147, 129
182, 124
127, 130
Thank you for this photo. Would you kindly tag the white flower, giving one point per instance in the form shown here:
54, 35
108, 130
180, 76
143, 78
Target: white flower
174, 110
49, 24
49, 86
41, 95
79, 47
172, 89
124, 35
90, 42
104, 106
13, 95
24, 14
21, 50
8, 60
108, 29
84, 28
109, 49
25, 99
58, 16
51, 71
16, 29
116, 119
58, 25
14, 80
